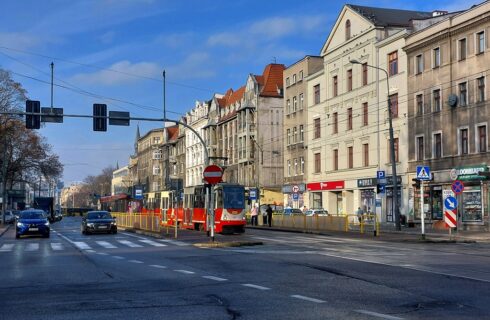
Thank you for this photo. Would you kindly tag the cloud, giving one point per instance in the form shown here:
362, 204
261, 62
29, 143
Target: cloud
175, 40
108, 37
227, 39
122, 72
195, 66
20, 40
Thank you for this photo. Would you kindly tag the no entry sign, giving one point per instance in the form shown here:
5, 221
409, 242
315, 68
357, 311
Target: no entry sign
213, 174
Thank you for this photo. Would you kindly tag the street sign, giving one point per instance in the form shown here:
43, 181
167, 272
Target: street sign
450, 218
457, 187
119, 118
213, 174
423, 173
450, 203
295, 189
381, 189
295, 196
52, 115
252, 194
381, 174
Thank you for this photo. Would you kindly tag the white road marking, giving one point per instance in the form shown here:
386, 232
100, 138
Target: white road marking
297, 296
118, 257
81, 245
32, 247
184, 271
133, 235
255, 286
7, 247
214, 278
379, 315
90, 251
56, 246
153, 243
129, 243
158, 266
175, 242
136, 261
106, 244
102, 253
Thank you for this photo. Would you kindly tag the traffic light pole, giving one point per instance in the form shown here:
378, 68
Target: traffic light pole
422, 214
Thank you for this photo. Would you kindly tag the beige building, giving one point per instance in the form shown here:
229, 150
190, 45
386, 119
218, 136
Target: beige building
121, 181
348, 137
448, 113
197, 118
294, 129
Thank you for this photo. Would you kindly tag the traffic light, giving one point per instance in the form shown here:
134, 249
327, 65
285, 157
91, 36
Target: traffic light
33, 121
416, 183
380, 188
100, 110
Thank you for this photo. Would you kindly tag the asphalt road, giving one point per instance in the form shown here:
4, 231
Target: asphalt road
291, 276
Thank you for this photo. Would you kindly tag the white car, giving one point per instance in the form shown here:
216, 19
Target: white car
316, 212
9, 217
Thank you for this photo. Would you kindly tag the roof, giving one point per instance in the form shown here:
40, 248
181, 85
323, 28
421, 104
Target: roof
271, 80
384, 17
173, 133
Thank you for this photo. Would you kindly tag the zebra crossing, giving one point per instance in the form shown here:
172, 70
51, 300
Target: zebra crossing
89, 245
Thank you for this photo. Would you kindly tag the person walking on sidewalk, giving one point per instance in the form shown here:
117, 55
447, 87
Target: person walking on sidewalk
269, 215
254, 213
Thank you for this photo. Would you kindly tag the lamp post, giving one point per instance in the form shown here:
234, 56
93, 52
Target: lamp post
257, 171
392, 146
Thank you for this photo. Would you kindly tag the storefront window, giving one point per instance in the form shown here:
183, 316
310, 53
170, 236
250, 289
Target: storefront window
472, 204
390, 213
317, 200
367, 200
436, 203
416, 203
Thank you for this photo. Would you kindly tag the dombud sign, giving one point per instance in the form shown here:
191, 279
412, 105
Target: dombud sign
468, 173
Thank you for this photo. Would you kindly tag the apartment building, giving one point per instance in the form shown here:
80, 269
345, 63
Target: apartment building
449, 113
348, 112
295, 128
121, 181
197, 118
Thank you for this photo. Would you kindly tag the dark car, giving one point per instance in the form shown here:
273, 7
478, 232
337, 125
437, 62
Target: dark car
32, 222
98, 221
57, 215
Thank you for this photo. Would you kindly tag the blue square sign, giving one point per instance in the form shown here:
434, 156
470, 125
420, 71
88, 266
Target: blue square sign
381, 174
423, 173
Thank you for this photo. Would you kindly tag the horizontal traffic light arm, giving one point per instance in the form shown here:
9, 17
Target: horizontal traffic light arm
87, 116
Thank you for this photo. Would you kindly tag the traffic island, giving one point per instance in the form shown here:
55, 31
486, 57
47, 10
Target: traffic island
228, 244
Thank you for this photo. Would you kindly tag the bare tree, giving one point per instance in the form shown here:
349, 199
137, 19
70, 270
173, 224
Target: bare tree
95, 187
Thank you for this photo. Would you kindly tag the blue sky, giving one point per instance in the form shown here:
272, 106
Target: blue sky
117, 50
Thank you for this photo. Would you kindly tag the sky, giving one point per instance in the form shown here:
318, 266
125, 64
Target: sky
114, 52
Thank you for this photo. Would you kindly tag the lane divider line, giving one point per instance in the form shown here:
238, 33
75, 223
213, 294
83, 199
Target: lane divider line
255, 286
118, 257
158, 266
102, 253
297, 296
379, 315
184, 271
214, 278
136, 261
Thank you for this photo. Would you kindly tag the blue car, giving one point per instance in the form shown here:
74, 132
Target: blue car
32, 222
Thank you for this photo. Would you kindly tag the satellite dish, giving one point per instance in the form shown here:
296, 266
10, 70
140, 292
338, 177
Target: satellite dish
452, 100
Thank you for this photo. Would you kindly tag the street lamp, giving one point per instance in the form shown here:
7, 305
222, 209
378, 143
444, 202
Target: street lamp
392, 146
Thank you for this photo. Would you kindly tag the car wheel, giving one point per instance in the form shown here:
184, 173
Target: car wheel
114, 232
46, 235
17, 236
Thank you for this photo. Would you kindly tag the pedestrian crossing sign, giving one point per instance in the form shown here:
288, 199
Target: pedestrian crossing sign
423, 173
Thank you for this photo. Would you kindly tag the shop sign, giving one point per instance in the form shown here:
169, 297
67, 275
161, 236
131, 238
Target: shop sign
468, 173
327, 185
367, 182
289, 188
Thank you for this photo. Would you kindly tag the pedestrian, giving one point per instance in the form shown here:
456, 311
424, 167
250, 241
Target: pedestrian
110, 209
359, 213
269, 215
254, 213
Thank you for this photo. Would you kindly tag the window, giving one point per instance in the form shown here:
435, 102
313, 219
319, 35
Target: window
420, 104
420, 148
437, 148
316, 123
336, 159
301, 134
463, 135
335, 86
301, 101
295, 104
288, 106
349, 80
156, 170
365, 153
364, 74
347, 30
350, 154
349, 119
335, 122
300, 76
395, 142
157, 154
481, 88
289, 168
289, 137
316, 89
295, 166
480, 42
463, 94
287, 82
317, 163
482, 138
295, 135
365, 114
156, 140
419, 64
436, 53
393, 63
436, 97
294, 78
462, 49
394, 105
302, 165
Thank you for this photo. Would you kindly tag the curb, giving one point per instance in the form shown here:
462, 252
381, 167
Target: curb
4, 230
228, 244
145, 233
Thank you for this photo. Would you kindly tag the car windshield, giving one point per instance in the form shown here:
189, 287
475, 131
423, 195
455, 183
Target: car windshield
32, 215
99, 215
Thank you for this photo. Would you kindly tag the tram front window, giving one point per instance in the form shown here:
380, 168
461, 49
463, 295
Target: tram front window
234, 197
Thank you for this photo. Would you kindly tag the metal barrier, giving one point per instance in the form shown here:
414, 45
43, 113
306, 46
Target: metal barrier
142, 221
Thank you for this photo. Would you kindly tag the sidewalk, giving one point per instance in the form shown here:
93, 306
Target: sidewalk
3, 229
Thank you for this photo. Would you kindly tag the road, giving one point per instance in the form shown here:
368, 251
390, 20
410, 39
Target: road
291, 276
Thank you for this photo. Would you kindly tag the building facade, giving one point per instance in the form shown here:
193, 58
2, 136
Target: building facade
197, 118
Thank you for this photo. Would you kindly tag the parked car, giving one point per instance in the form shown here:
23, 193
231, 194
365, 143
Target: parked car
9, 216
57, 215
98, 221
316, 212
293, 211
32, 221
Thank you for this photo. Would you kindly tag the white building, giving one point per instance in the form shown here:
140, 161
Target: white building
197, 118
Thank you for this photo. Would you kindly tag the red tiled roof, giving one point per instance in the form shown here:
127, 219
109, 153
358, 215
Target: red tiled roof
272, 78
236, 96
173, 133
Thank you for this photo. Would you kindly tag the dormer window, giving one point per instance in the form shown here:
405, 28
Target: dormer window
347, 30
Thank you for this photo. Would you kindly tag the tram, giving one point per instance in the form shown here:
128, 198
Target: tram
229, 209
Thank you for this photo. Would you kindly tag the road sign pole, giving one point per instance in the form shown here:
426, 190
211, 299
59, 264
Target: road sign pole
211, 206
422, 214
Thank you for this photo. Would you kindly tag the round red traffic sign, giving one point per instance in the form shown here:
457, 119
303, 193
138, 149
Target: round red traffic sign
213, 174
457, 187
295, 189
